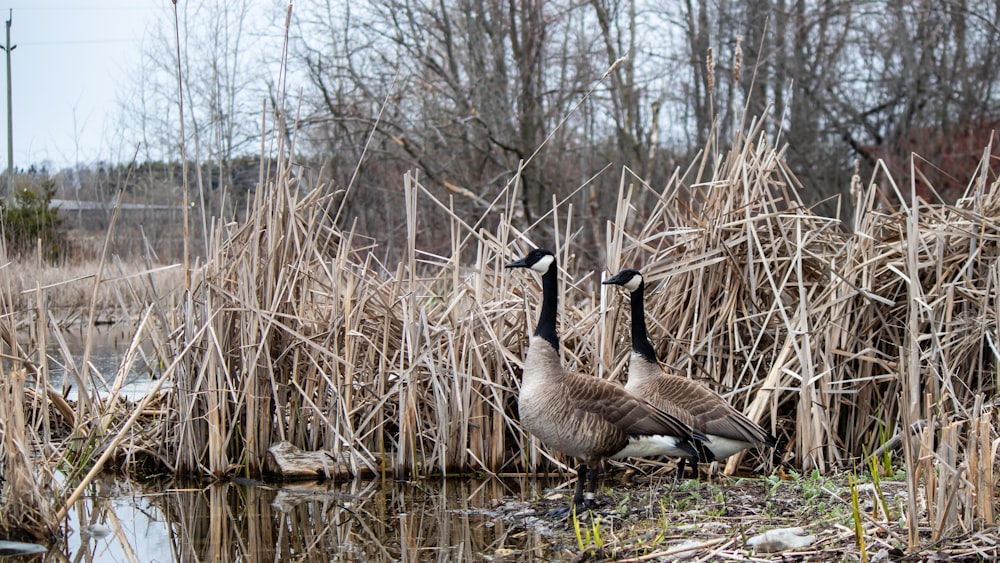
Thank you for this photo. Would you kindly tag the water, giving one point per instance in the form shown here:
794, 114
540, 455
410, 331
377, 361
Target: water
107, 351
431, 520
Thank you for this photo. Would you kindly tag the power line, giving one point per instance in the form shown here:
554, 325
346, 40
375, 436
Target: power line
82, 42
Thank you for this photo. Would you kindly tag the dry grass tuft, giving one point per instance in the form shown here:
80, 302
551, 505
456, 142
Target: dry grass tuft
68, 288
26, 487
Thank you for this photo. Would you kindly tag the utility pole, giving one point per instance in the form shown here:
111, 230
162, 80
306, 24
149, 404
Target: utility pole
10, 112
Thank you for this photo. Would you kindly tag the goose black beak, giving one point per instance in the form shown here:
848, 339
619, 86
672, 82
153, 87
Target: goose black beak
521, 263
614, 280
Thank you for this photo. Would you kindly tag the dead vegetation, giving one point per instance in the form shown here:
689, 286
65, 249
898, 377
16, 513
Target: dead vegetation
837, 338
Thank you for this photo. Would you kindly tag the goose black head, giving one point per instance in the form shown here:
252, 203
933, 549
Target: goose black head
628, 278
539, 260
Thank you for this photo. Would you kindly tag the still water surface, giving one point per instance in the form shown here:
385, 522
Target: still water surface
431, 520
107, 353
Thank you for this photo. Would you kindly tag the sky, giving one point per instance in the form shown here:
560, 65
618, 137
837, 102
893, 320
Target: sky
70, 60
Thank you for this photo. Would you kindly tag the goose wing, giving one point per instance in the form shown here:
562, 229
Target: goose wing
711, 412
630, 414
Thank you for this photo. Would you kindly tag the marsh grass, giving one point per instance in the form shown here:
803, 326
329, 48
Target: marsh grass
819, 332
25, 489
832, 336
44, 435
68, 289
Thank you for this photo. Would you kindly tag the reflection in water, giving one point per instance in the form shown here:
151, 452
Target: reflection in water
445, 520
107, 350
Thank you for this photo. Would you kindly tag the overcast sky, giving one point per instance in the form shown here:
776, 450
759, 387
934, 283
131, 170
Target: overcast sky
71, 57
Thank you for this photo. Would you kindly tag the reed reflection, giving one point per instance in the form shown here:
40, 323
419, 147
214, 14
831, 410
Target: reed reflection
429, 520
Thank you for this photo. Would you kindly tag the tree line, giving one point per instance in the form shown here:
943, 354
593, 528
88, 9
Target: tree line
469, 93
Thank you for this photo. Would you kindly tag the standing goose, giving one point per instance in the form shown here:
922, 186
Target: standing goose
728, 430
582, 416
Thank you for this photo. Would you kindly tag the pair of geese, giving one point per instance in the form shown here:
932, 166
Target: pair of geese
589, 418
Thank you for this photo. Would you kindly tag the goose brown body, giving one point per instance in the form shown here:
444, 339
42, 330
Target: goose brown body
728, 430
587, 417
584, 416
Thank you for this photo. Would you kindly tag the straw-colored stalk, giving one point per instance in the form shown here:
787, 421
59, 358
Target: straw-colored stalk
840, 331
26, 488
413, 366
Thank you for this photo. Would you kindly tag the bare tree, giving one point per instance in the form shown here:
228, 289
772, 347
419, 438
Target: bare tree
223, 84
471, 93
477, 87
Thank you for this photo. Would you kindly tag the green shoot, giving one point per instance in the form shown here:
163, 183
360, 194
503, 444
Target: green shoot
587, 538
596, 527
883, 435
859, 532
875, 470
580, 542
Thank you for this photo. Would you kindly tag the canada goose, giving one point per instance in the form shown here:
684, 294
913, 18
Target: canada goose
727, 429
586, 417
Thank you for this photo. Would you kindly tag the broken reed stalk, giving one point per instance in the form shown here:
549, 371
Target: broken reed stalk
111, 448
85, 407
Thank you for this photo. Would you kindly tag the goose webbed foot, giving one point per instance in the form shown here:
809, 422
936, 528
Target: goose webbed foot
559, 513
583, 495
565, 512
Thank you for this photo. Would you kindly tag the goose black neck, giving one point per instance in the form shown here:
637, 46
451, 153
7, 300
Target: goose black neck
640, 340
550, 301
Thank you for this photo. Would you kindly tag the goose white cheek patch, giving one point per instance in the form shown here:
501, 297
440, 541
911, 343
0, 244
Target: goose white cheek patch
633, 284
543, 264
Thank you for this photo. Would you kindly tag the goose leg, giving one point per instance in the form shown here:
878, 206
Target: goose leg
589, 498
581, 475
680, 471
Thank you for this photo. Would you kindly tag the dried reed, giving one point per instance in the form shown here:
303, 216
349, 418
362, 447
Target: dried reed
68, 289
26, 487
832, 334
38, 423
295, 330
819, 332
